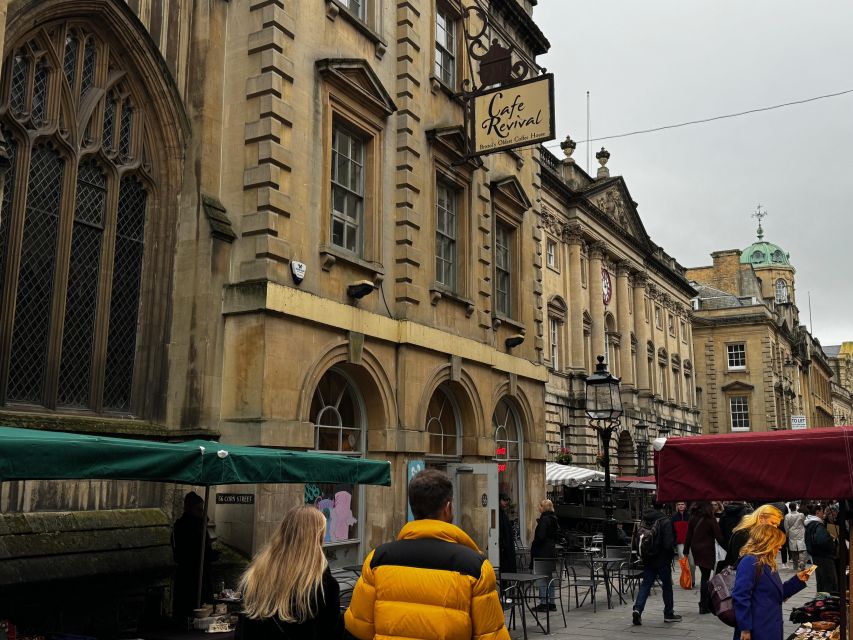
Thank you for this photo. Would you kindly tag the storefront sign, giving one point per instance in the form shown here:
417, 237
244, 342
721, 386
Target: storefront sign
798, 422
235, 498
513, 115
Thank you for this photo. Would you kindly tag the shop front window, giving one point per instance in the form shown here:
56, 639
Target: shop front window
338, 417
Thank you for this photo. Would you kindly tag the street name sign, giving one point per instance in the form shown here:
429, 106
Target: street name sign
235, 498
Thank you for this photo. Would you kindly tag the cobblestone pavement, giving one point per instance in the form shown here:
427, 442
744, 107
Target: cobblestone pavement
615, 623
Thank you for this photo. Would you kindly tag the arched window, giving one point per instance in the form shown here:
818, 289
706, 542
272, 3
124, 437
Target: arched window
443, 424
72, 224
781, 291
337, 415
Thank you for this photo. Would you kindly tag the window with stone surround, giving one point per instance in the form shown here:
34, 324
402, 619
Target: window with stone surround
781, 291
503, 268
357, 8
557, 312
658, 316
736, 356
551, 253
446, 225
73, 224
446, 42
739, 413
683, 331
347, 190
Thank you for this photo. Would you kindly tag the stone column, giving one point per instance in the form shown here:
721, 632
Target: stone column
573, 234
623, 321
641, 330
596, 301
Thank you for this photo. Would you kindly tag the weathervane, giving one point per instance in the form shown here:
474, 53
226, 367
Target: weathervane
760, 215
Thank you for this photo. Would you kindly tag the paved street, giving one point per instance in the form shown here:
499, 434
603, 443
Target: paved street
615, 623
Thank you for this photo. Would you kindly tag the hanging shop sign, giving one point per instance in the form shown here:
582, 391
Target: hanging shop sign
512, 115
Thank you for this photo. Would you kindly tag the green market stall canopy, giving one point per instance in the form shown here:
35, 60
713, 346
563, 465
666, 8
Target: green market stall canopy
27, 454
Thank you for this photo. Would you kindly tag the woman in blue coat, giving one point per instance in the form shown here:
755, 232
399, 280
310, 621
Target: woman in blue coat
759, 592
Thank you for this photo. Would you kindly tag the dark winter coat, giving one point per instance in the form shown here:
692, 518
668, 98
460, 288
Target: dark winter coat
731, 517
666, 548
818, 541
545, 537
186, 549
739, 538
328, 622
506, 543
702, 532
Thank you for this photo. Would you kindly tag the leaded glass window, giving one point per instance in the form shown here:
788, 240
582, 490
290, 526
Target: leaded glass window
70, 278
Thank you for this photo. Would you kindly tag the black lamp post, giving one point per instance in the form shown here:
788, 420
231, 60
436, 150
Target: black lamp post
604, 408
642, 430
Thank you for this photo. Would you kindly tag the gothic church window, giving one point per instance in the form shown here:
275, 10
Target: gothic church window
72, 223
781, 291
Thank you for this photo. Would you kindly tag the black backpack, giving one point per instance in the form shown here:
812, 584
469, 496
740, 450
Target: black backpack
648, 538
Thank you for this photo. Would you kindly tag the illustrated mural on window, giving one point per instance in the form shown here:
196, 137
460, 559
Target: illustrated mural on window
78, 180
337, 503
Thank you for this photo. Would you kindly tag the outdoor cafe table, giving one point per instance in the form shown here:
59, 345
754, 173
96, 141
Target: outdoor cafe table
606, 564
525, 581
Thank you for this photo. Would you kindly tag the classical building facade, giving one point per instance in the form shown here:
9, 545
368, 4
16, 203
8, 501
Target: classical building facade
255, 220
840, 358
757, 368
611, 291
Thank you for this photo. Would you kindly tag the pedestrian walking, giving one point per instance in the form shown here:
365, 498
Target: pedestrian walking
288, 589
765, 514
821, 548
656, 541
432, 582
703, 533
796, 530
680, 521
544, 546
759, 592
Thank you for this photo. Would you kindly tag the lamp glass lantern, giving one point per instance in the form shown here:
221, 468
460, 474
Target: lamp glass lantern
603, 399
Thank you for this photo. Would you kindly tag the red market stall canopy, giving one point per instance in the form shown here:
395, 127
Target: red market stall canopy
28, 454
811, 464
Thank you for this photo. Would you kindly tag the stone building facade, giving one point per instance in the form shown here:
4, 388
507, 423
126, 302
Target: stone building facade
611, 291
174, 168
757, 368
840, 358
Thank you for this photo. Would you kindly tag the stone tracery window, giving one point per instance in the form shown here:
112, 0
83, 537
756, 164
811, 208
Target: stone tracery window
442, 424
72, 223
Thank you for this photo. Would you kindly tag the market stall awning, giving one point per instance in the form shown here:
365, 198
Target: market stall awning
811, 464
27, 454
646, 483
563, 474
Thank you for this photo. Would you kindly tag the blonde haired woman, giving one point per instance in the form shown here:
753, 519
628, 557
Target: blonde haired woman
758, 593
544, 547
288, 590
765, 514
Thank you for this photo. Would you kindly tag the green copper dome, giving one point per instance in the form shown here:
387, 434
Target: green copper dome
765, 254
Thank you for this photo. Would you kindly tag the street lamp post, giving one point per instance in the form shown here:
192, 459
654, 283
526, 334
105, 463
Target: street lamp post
603, 409
642, 430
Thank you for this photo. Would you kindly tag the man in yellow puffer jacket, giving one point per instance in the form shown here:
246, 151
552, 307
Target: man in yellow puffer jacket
432, 582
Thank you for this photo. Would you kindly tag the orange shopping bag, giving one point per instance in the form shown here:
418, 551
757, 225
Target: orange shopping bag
686, 580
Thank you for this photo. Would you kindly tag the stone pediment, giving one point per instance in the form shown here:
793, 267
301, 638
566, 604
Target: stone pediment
354, 77
511, 189
452, 141
736, 386
612, 199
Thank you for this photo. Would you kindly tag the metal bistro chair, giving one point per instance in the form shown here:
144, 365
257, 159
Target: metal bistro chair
630, 574
614, 570
552, 567
580, 573
596, 544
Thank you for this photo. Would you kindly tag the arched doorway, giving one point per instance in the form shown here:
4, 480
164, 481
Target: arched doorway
508, 454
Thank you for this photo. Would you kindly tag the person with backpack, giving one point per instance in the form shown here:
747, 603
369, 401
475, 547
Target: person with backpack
702, 532
758, 592
655, 541
821, 548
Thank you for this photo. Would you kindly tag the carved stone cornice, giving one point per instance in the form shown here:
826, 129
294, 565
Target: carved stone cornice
640, 279
552, 223
654, 292
623, 268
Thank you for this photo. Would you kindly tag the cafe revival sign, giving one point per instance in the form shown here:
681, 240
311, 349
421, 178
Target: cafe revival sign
513, 115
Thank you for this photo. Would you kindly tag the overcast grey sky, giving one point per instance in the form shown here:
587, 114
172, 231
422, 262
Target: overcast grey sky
658, 62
